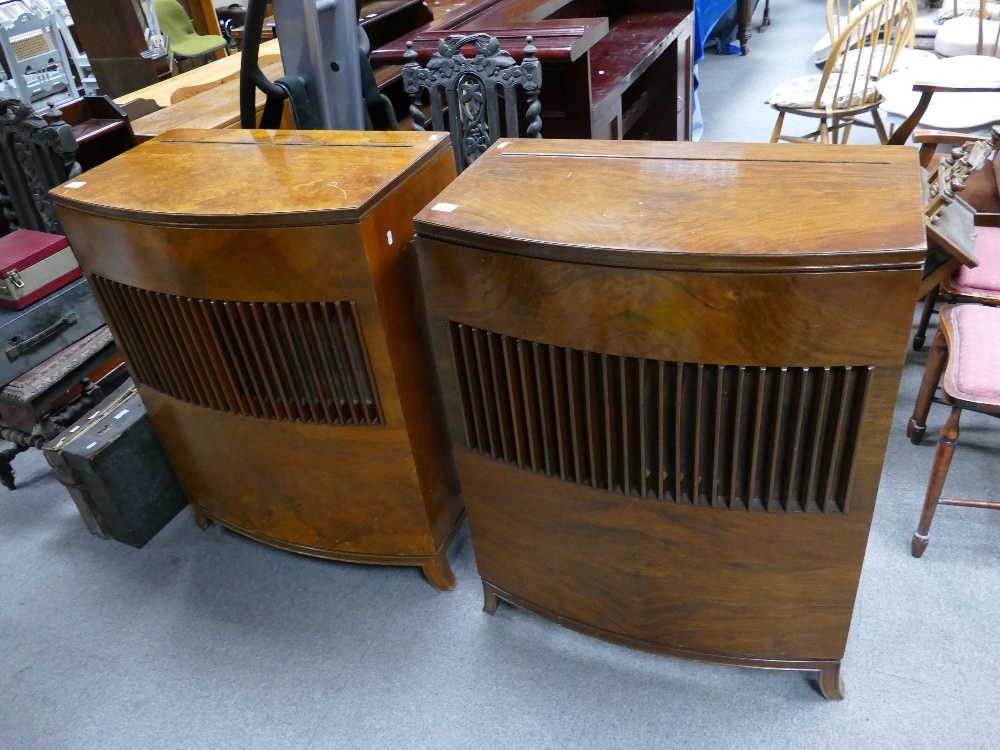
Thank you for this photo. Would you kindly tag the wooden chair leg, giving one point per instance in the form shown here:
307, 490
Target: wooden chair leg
847, 130
824, 132
776, 134
925, 318
6, 469
880, 127
936, 360
942, 462
835, 131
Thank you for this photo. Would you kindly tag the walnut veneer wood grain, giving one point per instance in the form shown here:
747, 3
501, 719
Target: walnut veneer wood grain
272, 316
669, 393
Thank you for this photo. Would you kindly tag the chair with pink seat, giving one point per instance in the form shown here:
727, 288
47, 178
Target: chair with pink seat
966, 351
976, 280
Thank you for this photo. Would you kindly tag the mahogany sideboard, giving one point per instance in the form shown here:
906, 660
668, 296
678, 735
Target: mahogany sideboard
611, 70
263, 290
669, 398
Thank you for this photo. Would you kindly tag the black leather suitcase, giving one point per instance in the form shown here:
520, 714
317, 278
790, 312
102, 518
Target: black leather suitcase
115, 470
32, 335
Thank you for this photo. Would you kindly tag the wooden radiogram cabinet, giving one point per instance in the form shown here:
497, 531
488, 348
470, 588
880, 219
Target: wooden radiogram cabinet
669, 372
263, 289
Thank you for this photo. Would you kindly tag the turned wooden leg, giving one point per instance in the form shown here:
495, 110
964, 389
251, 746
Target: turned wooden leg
766, 20
490, 599
936, 360
880, 127
925, 318
830, 683
942, 462
777, 128
200, 518
6, 468
438, 572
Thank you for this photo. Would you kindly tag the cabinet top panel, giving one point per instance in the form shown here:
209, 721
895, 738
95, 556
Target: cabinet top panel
723, 206
252, 177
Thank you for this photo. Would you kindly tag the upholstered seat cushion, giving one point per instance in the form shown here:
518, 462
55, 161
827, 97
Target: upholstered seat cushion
801, 93
984, 278
956, 8
960, 36
974, 352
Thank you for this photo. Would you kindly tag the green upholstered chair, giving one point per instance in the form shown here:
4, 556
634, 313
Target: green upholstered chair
185, 42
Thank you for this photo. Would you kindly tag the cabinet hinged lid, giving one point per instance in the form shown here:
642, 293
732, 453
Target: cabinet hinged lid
242, 178
697, 206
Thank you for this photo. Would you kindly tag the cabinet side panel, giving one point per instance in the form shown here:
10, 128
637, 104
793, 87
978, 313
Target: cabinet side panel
388, 239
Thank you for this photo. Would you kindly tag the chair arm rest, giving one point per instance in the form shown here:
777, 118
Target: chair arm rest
984, 219
945, 137
957, 87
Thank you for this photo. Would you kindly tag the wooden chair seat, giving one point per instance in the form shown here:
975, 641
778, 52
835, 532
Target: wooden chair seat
801, 93
960, 36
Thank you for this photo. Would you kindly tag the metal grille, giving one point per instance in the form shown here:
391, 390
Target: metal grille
724, 436
295, 361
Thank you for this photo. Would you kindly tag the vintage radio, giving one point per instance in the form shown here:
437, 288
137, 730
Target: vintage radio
669, 373
263, 290
32, 265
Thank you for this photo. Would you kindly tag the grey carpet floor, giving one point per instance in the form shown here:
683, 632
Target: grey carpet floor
209, 640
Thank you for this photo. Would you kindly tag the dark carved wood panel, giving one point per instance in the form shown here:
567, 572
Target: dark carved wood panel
724, 436
291, 361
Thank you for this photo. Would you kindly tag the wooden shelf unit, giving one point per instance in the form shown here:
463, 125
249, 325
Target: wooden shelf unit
595, 58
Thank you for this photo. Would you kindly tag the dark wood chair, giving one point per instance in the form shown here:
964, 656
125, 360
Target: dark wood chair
975, 278
965, 352
35, 156
465, 94
38, 152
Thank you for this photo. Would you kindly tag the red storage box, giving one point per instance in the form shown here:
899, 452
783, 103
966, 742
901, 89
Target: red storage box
32, 265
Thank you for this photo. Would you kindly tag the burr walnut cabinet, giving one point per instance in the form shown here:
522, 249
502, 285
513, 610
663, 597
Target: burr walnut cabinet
263, 289
669, 372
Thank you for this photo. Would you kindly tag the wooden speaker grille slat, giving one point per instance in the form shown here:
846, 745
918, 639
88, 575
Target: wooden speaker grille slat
294, 361
776, 439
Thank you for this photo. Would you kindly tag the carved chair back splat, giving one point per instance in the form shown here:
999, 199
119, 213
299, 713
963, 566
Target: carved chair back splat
464, 94
35, 156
